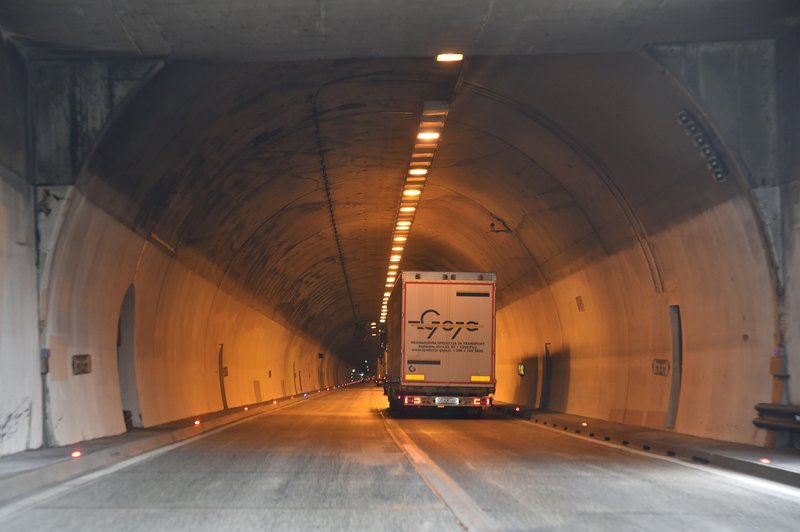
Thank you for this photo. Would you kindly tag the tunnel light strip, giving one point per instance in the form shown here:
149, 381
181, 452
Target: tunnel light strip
429, 134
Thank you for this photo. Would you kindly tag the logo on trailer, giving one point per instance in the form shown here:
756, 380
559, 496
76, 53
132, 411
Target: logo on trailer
447, 325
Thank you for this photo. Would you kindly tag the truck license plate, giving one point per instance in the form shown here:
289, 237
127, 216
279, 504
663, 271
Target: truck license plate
447, 400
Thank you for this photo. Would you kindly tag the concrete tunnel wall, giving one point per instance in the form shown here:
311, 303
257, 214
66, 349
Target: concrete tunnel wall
20, 385
571, 237
181, 319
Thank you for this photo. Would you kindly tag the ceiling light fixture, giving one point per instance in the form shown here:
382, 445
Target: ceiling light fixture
431, 124
428, 135
450, 57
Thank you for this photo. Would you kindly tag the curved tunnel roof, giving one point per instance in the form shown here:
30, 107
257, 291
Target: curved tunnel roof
546, 165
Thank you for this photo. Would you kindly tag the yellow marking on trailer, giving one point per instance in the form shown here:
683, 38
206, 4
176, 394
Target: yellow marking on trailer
414, 377
480, 378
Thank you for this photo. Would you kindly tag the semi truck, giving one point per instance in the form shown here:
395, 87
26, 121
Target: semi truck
440, 341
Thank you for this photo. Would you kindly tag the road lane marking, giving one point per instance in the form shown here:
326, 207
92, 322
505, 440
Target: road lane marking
785, 491
463, 507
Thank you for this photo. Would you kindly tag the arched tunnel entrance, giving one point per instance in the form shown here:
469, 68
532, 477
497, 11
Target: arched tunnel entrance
266, 194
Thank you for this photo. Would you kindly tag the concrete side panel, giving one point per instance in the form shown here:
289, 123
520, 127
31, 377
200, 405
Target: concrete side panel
181, 319
257, 353
20, 384
86, 294
13, 153
615, 325
523, 328
792, 294
716, 272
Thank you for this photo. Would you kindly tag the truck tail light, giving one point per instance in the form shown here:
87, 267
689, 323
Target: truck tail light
417, 400
477, 401
412, 400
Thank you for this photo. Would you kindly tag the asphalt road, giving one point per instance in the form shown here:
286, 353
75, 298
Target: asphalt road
336, 461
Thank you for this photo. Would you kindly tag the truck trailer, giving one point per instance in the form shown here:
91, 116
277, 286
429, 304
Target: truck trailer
440, 341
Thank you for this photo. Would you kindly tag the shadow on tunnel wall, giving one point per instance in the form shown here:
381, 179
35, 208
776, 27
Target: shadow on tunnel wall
555, 380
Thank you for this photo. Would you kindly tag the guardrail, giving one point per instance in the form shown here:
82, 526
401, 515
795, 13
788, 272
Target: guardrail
778, 417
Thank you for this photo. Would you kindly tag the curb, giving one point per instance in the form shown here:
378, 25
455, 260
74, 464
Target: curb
712, 453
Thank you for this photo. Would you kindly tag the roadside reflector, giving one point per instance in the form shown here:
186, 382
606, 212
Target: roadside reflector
76, 454
584, 424
516, 409
415, 377
765, 461
480, 378
246, 409
196, 421
274, 402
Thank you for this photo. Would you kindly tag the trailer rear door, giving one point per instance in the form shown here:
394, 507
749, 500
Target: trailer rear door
448, 332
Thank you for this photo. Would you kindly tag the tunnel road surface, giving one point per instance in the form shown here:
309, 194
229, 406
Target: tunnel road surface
339, 461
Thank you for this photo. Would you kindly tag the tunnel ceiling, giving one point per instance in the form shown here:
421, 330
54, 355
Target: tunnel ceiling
246, 30
282, 179
238, 167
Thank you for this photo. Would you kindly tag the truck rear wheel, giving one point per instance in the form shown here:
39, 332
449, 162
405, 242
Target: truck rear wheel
394, 404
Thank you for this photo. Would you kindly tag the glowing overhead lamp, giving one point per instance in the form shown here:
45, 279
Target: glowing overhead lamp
428, 135
432, 120
450, 57
425, 146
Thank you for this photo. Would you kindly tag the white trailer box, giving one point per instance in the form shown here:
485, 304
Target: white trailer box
441, 340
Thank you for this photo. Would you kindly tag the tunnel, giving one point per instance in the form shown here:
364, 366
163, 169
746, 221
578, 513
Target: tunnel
200, 217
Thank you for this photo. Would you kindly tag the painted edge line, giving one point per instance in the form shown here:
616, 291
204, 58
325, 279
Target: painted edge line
788, 491
465, 510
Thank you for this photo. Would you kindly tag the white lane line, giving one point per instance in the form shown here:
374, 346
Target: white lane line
786, 492
463, 507
46, 494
